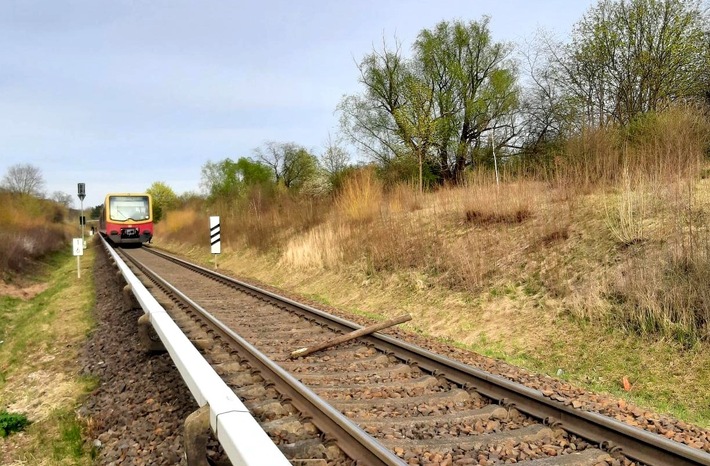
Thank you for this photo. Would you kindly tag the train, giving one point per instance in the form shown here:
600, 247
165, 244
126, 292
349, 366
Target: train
127, 218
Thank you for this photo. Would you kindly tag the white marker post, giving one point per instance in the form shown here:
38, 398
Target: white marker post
78, 247
215, 238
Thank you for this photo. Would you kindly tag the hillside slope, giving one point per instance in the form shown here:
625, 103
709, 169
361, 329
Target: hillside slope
590, 287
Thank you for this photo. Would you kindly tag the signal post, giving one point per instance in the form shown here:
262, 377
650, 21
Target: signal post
82, 219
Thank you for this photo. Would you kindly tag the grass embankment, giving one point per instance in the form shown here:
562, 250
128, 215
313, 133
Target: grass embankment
42, 328
594, 270
538, 303
31, 229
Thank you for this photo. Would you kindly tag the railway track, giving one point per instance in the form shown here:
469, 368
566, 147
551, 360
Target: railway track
378, 400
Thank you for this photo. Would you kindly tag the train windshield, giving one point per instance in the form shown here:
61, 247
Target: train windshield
122, 208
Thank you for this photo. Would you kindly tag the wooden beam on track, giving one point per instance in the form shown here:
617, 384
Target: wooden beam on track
350, 336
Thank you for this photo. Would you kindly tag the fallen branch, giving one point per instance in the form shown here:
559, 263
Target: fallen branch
350, 336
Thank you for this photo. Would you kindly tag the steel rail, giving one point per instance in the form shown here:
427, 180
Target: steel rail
608, 433
243, 440
354, 441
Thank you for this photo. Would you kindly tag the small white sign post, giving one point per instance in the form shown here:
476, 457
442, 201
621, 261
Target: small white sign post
78, 247
215, 238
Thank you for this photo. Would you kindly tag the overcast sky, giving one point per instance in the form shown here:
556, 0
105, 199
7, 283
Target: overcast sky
119, 94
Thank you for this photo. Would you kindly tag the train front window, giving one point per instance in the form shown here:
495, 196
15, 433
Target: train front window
122, 208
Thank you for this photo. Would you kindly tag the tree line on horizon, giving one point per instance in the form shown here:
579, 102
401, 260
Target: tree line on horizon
462, 100
460, 97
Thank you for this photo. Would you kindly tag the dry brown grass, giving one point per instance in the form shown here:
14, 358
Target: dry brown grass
614, 230
31, 228
597, 264
185, 225
360, 198
663, 285
509, 204
43, 336
665, 147
631, 256
318, 248
403, 198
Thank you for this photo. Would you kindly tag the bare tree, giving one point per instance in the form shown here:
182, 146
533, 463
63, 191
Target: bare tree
334, 158
547, 113
273, 154
24, 178
62, 198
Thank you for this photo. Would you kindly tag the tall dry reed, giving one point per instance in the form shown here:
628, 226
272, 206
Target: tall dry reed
360, 198
664, 288
31, 229
663, 146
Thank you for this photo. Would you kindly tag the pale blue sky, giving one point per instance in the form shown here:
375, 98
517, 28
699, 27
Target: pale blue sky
119, 94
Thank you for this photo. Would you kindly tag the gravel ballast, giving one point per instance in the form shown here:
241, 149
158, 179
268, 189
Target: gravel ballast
136, 415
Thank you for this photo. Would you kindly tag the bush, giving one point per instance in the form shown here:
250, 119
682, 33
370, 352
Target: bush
12, 422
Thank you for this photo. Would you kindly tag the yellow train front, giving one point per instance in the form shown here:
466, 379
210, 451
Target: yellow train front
127, 218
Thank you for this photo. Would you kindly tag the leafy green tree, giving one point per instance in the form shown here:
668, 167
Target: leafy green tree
630, 57
252, 173
438, 107
229, 179
219, 179
164, 199
474, 86
367, 118
95, 212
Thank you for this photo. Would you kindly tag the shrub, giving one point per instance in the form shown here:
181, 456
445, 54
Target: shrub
12, 422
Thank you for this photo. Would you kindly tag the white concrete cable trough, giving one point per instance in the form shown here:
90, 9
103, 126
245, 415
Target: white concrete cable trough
243, 440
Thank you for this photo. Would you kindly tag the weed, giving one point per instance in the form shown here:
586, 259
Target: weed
70, 441
12, 422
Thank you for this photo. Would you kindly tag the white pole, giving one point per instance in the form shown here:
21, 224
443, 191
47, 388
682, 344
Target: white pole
495, 161
82, 223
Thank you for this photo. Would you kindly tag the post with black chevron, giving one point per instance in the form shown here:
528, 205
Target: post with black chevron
215, 237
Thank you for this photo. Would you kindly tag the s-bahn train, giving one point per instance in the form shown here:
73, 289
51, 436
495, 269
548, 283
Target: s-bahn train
127, 218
